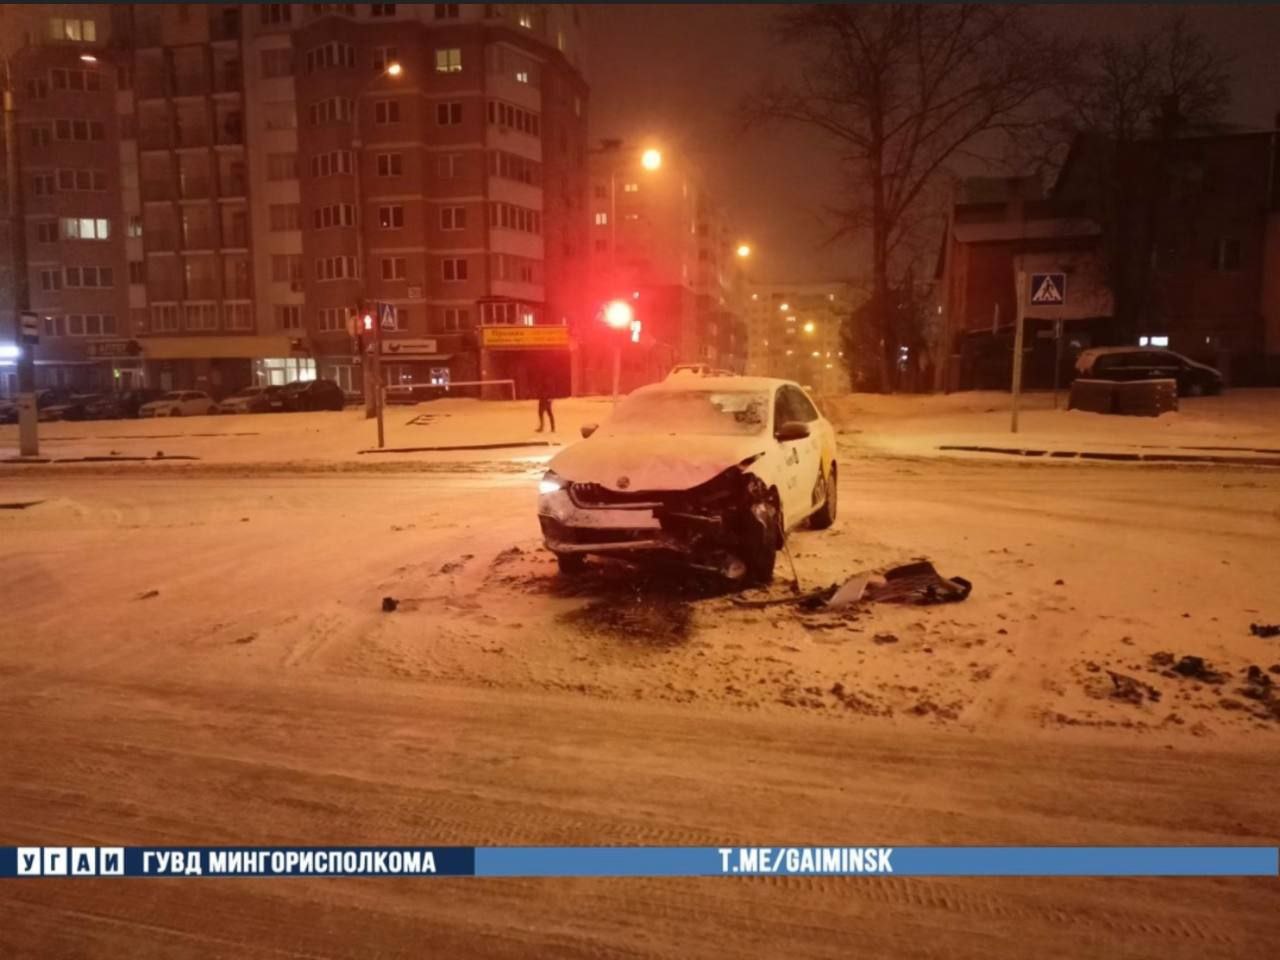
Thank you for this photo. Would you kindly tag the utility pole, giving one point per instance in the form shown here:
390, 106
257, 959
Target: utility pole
28, 435
377, 372
1017, 349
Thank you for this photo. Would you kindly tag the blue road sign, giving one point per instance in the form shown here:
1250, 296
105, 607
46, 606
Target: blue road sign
1048, 289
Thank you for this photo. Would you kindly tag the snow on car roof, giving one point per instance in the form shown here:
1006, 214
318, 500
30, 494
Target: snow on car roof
686, 384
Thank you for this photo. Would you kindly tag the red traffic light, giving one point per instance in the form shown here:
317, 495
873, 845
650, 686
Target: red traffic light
618, 314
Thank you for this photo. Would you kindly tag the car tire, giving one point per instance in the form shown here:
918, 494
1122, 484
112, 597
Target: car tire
760, 552
175, 412
1195, 389
211, 411
571, 563
825, 515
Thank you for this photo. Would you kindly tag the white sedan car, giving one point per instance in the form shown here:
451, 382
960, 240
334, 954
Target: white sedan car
710, 470
180, 403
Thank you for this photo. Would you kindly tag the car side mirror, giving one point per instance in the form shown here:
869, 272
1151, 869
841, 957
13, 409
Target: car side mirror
588, 429
792, 430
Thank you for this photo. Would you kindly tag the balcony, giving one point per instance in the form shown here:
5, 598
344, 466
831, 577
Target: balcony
202, 289
230, 131
237, 288
159, 241
193, 136
232, 187
155, 138
195, 188
190, 85
158, 190
199, 239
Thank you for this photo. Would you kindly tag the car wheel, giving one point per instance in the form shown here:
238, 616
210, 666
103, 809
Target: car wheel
825, 515
211, 411
760, 551
570, 563
1195, 389
175, 412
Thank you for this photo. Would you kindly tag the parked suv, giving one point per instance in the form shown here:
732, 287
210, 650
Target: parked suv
1149, 363
313, 395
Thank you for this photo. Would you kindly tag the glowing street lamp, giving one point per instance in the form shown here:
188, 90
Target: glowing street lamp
651, 159
808, 327
785, 307
744, 250
394, 69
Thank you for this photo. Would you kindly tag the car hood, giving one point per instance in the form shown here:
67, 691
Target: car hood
653, 461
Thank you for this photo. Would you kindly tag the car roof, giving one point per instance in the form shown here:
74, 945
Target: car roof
684, 384
1103, 351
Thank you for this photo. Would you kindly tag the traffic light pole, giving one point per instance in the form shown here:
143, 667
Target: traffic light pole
28, 432
377, 373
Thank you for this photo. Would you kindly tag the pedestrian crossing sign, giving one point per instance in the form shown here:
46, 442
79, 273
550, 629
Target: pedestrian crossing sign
1048, 289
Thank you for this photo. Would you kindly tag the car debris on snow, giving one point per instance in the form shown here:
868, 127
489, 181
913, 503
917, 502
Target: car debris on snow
915, 583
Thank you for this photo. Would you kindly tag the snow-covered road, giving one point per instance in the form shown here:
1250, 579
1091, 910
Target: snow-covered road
195, 658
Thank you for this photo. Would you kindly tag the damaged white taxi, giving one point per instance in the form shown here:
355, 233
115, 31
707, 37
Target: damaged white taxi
711, 471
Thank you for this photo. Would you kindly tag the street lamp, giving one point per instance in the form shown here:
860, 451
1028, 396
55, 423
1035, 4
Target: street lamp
372, 377
808, 327
744, 250
651, 159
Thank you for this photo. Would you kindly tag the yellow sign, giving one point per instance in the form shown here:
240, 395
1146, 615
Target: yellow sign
525, 338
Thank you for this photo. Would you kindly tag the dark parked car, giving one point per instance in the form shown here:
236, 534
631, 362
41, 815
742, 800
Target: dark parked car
1149, 363
46, 399
132, 400
76, 407
254, 400
313, 395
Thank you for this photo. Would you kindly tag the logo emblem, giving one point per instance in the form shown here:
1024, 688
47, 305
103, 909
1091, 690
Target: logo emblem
624, 482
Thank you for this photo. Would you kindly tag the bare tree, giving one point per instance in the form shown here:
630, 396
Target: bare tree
1126, 106
902, 90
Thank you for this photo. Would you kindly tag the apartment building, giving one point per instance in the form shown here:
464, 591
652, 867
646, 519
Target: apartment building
661, 241
794, 332
272, 171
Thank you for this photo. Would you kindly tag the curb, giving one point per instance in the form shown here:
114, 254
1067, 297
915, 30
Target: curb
40, 460
1120, 457
469, 446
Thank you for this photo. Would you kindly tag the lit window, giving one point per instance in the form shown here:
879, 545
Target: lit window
526, 21
602, 219
449, 60
522, 76
631, 188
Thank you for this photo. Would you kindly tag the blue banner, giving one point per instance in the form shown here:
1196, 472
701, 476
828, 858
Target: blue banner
244, 861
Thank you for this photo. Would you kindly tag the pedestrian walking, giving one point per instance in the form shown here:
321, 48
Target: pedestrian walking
545, 412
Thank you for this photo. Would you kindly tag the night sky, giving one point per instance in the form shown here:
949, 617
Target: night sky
675, 74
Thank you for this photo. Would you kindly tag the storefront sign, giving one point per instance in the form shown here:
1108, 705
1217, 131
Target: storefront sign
525, 338
408, 348
104, 349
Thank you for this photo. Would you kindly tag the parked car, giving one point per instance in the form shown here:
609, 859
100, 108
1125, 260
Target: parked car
179, 403
411, 393
313, 395
254, 400
45, 399
75, 407
132, 401
711, 471
1149, 363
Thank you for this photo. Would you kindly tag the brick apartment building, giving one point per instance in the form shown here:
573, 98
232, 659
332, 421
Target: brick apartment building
254, 174
1215, 276
661, 240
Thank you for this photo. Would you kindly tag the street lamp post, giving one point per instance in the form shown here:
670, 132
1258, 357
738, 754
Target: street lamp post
28, 432
371, 370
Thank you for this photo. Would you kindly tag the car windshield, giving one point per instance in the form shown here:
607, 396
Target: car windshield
175, 395
706, 412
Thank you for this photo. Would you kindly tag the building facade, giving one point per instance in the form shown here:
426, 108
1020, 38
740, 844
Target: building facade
795, 333
661, 241
273, 171
1203, 214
